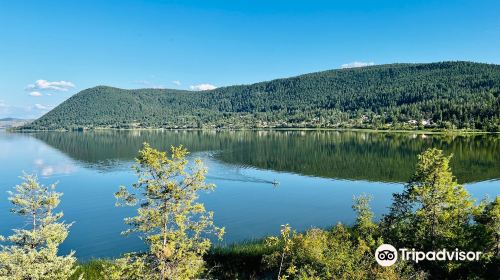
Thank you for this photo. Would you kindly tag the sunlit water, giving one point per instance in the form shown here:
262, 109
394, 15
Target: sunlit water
318, 174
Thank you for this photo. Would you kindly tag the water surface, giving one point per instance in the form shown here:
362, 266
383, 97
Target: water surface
318, 172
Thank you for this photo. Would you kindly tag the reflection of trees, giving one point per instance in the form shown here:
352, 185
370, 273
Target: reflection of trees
333, 154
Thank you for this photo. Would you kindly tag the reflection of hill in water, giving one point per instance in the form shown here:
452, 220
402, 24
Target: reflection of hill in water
389, 157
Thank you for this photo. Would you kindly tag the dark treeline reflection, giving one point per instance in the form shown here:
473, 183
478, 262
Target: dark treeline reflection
352, 155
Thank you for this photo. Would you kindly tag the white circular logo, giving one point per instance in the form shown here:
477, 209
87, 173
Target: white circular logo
386, 255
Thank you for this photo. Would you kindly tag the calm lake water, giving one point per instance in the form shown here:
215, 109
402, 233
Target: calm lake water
318, 174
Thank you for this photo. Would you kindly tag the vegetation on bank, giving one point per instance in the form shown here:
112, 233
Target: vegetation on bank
433, 212
444, 95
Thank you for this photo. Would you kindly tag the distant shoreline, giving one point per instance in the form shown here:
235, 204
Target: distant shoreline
371, 130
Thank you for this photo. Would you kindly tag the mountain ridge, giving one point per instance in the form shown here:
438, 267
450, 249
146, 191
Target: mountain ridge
438, 95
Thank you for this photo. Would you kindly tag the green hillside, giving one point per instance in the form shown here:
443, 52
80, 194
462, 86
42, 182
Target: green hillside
394, 96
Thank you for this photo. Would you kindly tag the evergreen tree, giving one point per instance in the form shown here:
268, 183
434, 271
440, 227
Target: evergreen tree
487, 238
433, 212
170, 220
364, 227
31, 254
489, 219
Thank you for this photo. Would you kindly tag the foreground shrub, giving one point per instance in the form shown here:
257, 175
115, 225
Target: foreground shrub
339, 253
330, 254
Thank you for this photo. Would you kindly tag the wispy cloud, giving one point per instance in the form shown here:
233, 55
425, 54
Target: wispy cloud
35, 93
176, 82
356, 64
46, 85
42, 107
202, 87
28, 112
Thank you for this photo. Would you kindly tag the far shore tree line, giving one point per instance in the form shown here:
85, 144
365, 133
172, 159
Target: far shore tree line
433, 212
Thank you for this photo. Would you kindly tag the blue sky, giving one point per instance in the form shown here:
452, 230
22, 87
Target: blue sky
50, 50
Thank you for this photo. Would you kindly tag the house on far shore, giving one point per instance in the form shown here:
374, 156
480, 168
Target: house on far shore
425, 122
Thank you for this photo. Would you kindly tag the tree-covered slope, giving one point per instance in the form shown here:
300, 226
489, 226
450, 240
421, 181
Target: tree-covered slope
443, 95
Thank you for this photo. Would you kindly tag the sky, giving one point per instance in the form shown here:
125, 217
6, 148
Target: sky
50, 50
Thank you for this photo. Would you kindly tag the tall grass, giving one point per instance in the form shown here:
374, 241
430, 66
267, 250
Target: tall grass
91, 270
235, 261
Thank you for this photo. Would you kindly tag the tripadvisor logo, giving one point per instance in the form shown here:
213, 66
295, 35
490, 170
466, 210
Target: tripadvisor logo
387, 255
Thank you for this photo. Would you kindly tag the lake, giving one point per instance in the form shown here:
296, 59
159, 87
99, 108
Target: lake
318, 174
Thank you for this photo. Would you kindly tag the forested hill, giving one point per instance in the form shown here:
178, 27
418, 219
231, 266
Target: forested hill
394, 96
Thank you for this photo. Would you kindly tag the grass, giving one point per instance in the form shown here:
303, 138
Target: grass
236, 261
91, 270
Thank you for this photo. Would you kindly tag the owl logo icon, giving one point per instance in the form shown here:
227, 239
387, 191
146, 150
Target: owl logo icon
386, 255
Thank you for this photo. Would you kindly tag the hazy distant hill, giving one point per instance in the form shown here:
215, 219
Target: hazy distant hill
443, 95
13, 122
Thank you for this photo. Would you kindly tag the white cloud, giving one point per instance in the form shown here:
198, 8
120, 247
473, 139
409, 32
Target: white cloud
176, 82
202, 87
42, 107
25, 112
46, 85
356, 64
35, 93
